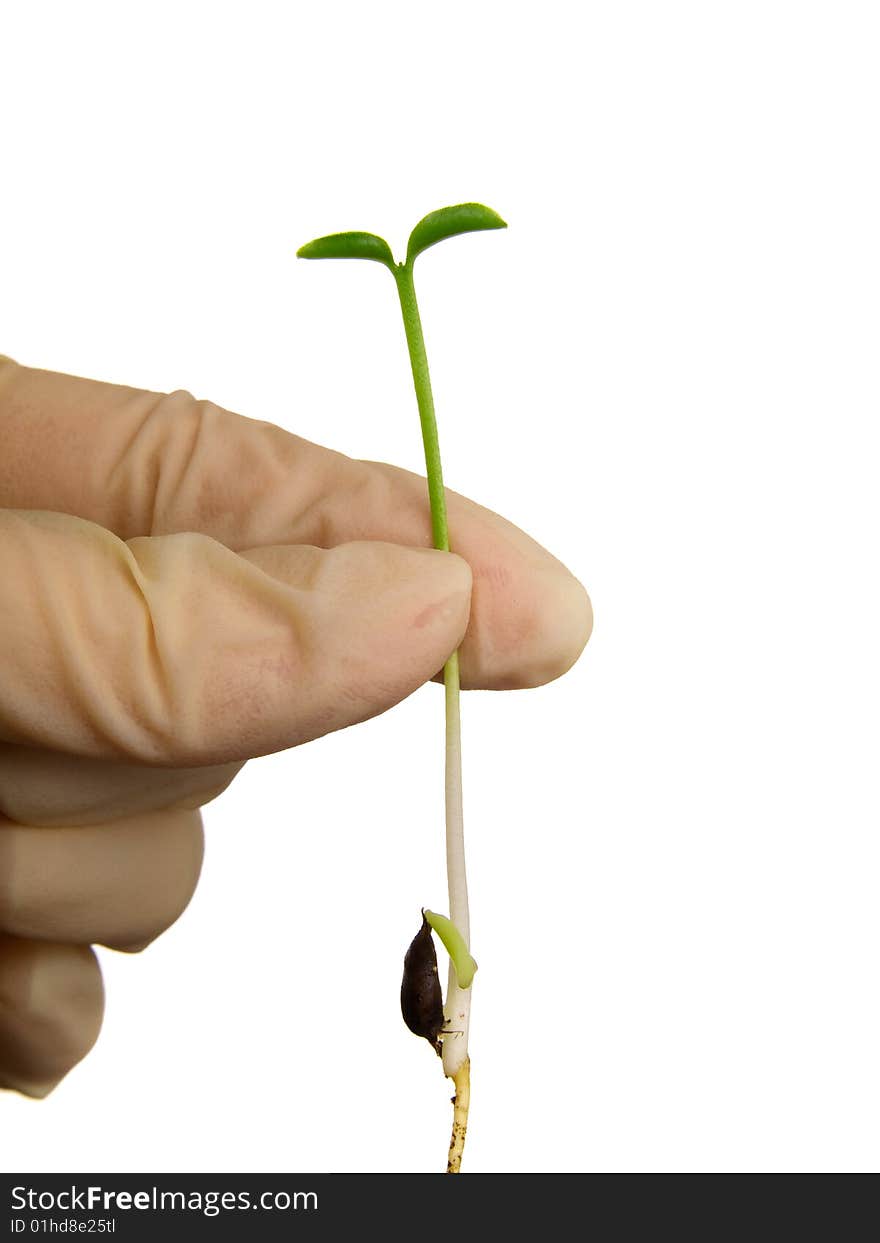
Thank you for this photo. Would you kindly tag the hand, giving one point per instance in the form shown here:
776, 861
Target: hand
184, 588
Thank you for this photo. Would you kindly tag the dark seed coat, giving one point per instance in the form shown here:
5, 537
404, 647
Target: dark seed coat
421, 998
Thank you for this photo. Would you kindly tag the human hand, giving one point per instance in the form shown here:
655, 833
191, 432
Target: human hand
185, 588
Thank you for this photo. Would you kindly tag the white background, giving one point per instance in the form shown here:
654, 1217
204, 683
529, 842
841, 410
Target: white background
666, 371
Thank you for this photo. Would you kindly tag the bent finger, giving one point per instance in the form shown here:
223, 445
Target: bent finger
118, 884
176, 651
142, 463
51, 1009
57, 789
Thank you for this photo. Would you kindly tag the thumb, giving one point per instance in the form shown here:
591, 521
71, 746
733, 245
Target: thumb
174, 650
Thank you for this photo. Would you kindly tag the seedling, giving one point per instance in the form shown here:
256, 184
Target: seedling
446, 1027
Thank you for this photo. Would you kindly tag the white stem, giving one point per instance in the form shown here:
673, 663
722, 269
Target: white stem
458, 1000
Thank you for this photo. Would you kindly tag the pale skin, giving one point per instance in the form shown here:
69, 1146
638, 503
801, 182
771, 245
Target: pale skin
184, 589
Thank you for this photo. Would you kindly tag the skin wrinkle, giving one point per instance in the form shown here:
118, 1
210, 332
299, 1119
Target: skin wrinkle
315, 525
119, 478
365, 493
295, 476
106, 705
146, 704
159, 674
201, 494
197, 414
381, 497
168, 455
276, 617
274, 477
135, 483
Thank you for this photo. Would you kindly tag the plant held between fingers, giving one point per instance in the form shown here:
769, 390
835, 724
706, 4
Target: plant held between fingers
444, 1026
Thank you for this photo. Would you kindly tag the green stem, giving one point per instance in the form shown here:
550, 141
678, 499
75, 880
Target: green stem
457, 999
418, 358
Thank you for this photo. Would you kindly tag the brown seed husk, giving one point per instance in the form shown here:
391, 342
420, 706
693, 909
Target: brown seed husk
421, 997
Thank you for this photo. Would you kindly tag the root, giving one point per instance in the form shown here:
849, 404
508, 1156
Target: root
461, 1103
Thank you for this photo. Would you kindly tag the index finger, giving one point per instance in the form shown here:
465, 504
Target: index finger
145, 463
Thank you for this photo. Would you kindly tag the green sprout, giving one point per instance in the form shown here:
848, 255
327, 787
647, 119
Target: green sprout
456, 948
455, 931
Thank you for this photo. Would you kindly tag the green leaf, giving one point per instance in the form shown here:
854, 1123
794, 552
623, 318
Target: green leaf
465, 218
348, 246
